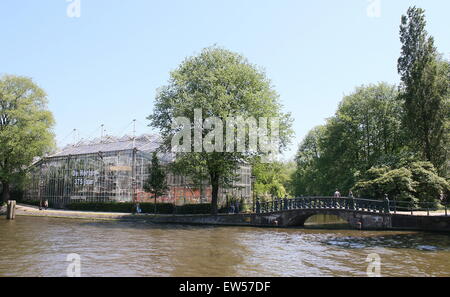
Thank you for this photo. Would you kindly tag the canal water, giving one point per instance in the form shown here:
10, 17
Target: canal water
40, 246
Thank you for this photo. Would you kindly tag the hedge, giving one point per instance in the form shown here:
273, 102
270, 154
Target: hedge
126, 207
194, 209
37, 203
129, 207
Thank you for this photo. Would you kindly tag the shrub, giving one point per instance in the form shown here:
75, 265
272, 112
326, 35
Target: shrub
126, 207
194, 209
129, 207
161, 208
398, 184
418, 183
428, 184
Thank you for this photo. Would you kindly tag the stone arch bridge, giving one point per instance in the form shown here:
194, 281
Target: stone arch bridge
359, 213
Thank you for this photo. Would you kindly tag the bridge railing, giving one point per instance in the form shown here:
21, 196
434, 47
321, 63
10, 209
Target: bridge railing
345, 203
411, 207
357, 204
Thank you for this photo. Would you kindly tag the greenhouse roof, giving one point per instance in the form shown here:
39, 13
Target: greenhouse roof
145, 143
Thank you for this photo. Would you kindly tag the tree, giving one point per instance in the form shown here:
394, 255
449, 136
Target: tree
364, 132
273, 178
222, 85
25, 128
308, 178
156, 183
425, 89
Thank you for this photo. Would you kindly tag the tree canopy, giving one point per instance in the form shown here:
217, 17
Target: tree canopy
25, 128
364, 132
273, 179
222, 85
425, 90
385, 139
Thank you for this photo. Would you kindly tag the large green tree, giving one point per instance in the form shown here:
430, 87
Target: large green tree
364, 132
25, 128
221, 84
425, 90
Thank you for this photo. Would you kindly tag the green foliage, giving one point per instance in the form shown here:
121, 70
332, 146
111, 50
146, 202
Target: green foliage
377, 136
364, 132
425, 90
428, 184
397, 183
273, 179
222, 84
128, 207
419, 182
194, 209
25, 128
156, 182
204, 208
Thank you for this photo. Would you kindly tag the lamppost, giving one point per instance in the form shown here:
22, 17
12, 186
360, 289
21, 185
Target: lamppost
41, 182
253, 180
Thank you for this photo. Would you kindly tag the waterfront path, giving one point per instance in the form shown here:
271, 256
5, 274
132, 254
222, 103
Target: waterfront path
26, 210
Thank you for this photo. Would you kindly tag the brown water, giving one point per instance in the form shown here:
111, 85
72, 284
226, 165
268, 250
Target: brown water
39, 247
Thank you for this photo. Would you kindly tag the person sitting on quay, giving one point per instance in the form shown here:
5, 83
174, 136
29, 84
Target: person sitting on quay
232, 208
238, 204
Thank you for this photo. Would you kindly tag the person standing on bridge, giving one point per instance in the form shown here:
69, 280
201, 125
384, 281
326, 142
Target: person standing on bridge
442, 197
337, 194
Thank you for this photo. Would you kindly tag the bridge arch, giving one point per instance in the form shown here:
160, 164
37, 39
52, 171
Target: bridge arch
298, 219
326, 221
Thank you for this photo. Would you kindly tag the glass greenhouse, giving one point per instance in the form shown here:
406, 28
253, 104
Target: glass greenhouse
114, 169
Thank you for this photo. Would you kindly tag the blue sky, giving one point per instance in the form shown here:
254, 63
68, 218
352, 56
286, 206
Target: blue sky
105, 66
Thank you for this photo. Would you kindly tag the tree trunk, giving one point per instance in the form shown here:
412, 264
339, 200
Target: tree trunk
5, 193
215, 193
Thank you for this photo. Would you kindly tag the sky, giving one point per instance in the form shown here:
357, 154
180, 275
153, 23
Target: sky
103, 63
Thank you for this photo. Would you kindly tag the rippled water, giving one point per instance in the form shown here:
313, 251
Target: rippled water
39, 247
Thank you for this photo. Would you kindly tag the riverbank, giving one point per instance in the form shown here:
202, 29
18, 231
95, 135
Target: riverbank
33, 211
374, 221
220, 219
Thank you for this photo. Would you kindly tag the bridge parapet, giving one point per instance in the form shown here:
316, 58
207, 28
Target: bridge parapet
332, 203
